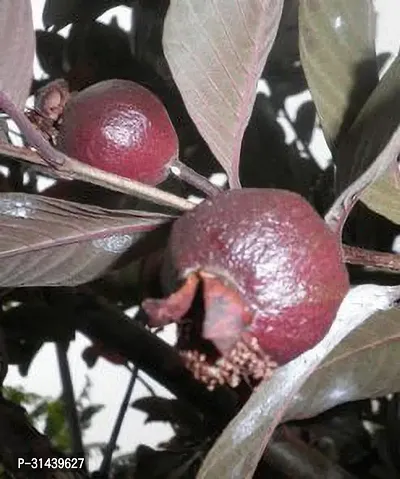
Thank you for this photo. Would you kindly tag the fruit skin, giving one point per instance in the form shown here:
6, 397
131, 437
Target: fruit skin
122, 128
270, 248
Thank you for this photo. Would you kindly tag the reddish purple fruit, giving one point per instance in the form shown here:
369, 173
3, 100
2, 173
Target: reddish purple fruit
271, 278
122, 128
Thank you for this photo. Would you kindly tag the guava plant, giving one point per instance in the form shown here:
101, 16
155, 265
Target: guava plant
280, 310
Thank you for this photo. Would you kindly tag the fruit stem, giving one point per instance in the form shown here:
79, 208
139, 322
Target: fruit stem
371, 258
185, 173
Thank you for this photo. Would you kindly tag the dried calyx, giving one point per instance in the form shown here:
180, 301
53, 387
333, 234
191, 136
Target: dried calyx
269, 278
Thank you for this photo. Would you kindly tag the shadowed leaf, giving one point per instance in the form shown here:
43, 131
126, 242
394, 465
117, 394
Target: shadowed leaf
285, 51
364, 365
59, 13
305, 121
236, 453
216, 50
337, 48
383, 196
48, 242
177, 412
49, 49
17, 47
370, 147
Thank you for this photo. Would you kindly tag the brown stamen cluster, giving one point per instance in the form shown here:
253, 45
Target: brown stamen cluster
245, 359
50, 102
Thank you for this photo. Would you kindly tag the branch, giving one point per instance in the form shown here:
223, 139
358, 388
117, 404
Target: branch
106, 463
158, 360
74, 169
69, 400
370, 258
102, 321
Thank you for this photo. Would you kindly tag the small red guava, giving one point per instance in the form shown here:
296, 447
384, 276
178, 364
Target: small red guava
272, 281
122, 128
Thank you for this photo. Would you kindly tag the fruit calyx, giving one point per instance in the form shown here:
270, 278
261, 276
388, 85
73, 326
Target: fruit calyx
270, 277
217, 348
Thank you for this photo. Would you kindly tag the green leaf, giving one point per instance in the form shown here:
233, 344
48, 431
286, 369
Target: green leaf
56, 428
18, 395
337, 49
383, 196
370, 147
364, 365
216, 50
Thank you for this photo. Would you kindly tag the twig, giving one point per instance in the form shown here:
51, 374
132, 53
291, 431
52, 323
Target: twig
74, 169
69, 400
106, 462
373, 259
185, 173
104, 321
147, 386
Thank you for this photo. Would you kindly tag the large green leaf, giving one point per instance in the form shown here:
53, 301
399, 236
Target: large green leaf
337, 48
216, 50
383, 196
364, 365
370, 147
236, 453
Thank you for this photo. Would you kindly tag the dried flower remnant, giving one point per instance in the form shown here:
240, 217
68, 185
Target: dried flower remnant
49, 105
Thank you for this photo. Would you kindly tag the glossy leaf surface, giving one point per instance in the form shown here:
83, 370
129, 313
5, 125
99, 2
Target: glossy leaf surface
49, 242
337, 49
364, 365
370, 147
